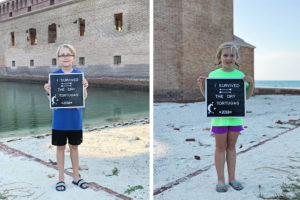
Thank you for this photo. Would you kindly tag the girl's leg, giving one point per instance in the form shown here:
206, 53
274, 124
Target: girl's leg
75, 162
221, 145
60, 157
231, 154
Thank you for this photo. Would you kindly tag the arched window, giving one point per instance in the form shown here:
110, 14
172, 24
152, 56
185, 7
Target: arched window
81, 27
32, 36
3, 8
13, 5
17, 4
52, 33
7, 5
119, 21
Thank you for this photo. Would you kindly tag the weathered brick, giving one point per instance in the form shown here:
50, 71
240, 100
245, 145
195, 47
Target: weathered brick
187, 34
99, 45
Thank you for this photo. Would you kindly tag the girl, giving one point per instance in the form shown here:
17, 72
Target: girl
67, 123
227, 130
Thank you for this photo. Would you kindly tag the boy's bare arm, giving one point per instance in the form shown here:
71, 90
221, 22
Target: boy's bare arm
47, 89
85, 86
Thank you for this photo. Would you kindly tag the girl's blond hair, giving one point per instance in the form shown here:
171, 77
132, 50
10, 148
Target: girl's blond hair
67, 46
226, 45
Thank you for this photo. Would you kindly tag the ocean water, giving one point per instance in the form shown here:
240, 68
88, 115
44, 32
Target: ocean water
285, 84
24, 108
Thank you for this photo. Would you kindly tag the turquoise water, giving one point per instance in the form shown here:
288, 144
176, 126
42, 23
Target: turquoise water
288, 84
24, 108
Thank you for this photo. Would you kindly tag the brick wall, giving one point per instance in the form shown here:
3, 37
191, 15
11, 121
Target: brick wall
186, 37
98, 46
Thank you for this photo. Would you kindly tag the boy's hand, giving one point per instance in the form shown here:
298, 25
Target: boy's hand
248, 79
201, 80
85, 83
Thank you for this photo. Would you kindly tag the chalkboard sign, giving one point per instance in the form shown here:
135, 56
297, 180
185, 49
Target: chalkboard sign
225, 97
66, 90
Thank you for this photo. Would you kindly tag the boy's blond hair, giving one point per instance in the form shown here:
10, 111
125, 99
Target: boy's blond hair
67, 46
226, 45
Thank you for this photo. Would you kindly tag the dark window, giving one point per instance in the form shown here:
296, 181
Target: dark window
54, 61
29, 9
31, 63
13, 63
119, 21
12, 38
81, 61
51, 2
32, 36
10, 14
52, 33
117, 60
81, 27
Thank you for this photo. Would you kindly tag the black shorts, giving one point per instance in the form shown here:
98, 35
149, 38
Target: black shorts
59, 137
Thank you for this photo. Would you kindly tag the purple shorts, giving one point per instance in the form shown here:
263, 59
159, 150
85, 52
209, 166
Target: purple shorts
226, 129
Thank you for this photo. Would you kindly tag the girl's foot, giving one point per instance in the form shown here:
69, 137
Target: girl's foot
221, 188
236, 185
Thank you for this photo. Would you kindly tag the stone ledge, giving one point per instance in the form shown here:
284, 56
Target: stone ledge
276, 90
177, 96
128, 84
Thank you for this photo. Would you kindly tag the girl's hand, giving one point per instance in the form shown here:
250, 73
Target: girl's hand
201, 80
85, 83
248, 79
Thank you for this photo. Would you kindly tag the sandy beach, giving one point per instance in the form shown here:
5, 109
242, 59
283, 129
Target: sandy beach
125, 149
268, 150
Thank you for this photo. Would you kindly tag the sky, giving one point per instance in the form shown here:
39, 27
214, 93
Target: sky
273, 27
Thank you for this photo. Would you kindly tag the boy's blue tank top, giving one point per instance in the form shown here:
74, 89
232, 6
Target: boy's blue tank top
67, 119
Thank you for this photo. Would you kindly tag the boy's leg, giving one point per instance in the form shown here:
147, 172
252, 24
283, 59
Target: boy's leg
221, 145
60, 156
231, 154
75, 162
74, 159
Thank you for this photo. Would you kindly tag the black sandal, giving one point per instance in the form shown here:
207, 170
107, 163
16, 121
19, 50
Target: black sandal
60, 184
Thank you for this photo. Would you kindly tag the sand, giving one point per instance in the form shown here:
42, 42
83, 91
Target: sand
262, 169
125, 148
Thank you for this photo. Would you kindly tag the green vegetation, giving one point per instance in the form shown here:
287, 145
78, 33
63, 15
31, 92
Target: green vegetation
133, 188
288, 192
115, 172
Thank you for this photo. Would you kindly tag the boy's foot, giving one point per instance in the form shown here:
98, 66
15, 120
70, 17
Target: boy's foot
60, 186
81, 183
221, 188
236, 185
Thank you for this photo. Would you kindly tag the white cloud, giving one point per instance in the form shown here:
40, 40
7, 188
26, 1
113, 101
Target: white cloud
277, 66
